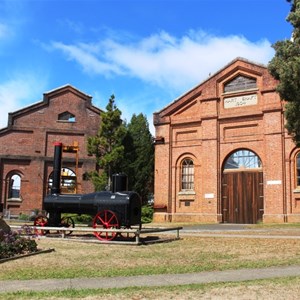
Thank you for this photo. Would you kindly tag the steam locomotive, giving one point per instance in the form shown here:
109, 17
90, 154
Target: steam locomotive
114, 209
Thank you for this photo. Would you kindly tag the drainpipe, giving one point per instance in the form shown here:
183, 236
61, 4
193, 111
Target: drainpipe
283, 169
171, 204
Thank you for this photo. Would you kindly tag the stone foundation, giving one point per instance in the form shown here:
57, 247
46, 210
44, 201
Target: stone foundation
184, 218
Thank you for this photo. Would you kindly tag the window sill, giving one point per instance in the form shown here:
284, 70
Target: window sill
187, 193
296, 191
65, 121
240, 91
14, 200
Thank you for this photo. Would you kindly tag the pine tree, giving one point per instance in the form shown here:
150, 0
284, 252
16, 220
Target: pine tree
107, 146
285, 67
139, 156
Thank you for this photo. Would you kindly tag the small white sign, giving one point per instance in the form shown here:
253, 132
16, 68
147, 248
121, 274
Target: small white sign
273, 182
239, 101
209, 196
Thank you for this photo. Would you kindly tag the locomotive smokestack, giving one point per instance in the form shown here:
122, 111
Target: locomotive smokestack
119, 183
56, 168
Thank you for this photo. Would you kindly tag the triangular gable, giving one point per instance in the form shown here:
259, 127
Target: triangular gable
66, 89
231, 73
45, 102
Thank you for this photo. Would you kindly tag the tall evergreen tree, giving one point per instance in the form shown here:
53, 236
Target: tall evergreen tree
139, 156
107, 146
285, 67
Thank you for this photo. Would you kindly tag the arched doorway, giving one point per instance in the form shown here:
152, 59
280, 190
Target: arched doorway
242, 188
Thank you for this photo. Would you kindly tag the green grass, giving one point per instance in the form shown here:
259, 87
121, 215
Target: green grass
193, 290
274, 225
187, 255
190, 254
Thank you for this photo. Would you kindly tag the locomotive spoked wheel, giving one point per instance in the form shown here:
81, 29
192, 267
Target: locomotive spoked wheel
40, 221
105, 219
67, 222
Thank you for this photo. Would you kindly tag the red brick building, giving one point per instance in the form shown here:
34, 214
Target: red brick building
222, 153
27, 146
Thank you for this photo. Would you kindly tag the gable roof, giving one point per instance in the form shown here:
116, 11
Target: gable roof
45, 102
196, 91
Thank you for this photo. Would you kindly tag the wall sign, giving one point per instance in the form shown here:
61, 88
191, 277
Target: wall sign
246, 100
272, 182
209, 196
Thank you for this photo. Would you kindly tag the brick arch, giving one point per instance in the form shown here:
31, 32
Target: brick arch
68, 181
242, 188
227, 157
9, 186
182, 156
178, 164
293, 166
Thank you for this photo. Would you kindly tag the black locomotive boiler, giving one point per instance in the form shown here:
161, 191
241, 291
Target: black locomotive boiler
114, 209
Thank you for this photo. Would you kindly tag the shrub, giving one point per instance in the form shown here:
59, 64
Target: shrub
79, 219
12, 244
24, 217
147, 213
83, 219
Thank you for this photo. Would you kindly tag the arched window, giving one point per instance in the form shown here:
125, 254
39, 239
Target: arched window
14, 186
67, 117
298, 170
187, 174
68, 181
243, 159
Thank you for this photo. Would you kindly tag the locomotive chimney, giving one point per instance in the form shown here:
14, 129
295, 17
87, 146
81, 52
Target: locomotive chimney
56, 168
119, 183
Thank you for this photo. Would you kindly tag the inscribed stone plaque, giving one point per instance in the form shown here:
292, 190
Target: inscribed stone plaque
246, 100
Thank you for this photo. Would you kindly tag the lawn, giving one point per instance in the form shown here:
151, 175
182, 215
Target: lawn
252, 290
189, 254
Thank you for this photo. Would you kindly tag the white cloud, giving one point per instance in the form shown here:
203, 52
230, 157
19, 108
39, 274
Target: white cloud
164, 60
86, 58
173, 64
15, 93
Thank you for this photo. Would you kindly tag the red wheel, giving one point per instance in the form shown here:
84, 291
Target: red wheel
40, 221
105, 219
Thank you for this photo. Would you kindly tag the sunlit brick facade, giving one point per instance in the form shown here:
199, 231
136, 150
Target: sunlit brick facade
222, 153
27, 145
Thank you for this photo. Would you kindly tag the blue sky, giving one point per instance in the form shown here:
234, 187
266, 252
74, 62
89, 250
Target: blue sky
145, 52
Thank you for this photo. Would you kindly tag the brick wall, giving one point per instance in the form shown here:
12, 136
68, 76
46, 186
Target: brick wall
208, 125
27, 145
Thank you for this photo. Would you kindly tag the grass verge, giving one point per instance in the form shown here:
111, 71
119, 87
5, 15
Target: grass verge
188, 255
257, 289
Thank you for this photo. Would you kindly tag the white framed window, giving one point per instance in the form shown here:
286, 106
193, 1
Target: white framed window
14, 187
187, 175
243, 159
297, 170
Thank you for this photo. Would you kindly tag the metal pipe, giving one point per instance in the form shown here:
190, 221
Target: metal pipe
55, 189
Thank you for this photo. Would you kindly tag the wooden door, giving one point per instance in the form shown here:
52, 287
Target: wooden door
242, 197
